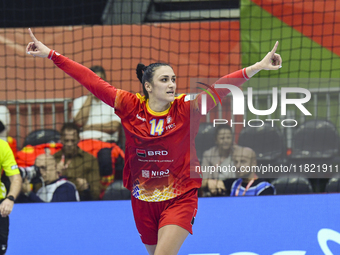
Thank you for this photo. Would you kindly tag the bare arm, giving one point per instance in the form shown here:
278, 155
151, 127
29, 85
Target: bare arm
83, 114
97, 86
272, 61
6, 206
110, 127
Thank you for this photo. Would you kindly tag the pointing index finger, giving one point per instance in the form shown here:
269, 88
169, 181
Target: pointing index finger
275, 47
32, 36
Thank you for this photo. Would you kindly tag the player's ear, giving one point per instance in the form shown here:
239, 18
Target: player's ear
148, 87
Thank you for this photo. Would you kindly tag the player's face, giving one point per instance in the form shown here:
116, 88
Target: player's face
70, 140
242, 159
224, 139
47, 168
164, 84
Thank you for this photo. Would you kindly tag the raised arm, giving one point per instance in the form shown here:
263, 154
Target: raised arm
100, 88
272, 61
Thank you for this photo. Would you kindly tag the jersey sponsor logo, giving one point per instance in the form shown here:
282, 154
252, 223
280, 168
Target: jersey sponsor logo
146, 173
140, 118
160, 174
14, 167
171, 126
168, 119
157, 153
141, 153
204, 97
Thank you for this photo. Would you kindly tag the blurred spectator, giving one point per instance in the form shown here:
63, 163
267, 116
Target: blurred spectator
27, 155
5, 120
97, 119
219, 155
78, 166
248, 184
55, 188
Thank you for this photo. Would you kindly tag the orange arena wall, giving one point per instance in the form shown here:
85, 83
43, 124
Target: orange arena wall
196, 49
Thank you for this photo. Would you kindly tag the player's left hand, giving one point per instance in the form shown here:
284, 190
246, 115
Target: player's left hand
272, 61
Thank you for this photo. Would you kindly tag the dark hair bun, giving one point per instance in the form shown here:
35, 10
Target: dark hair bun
139, 71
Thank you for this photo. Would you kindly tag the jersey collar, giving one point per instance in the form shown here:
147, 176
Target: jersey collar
142, 99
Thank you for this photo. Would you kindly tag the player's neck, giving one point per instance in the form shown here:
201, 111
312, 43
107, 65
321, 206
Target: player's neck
158, 106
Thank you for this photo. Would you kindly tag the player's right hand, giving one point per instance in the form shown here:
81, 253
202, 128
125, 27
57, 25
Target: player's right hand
37, 48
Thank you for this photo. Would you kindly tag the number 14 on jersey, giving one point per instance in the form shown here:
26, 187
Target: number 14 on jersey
156, 127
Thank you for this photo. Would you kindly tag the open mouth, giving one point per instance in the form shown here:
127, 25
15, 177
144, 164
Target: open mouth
170, 92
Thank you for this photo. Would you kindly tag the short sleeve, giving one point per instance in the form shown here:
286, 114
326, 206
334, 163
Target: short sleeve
7, 160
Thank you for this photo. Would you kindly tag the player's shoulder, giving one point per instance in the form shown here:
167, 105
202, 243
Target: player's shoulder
183, 98
126, 95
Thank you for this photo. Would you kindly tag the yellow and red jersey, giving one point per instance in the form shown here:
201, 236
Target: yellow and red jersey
160, 155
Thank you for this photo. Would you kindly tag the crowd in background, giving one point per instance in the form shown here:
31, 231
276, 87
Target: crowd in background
87, 161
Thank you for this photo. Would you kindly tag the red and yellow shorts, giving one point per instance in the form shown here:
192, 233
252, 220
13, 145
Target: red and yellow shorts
151, 216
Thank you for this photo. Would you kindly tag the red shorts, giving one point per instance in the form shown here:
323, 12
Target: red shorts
151, 216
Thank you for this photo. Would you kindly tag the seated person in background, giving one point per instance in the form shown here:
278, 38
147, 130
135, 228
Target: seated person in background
78, 166
248, 184
97, 119
55, 188
221, 155
5, 120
